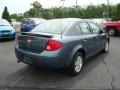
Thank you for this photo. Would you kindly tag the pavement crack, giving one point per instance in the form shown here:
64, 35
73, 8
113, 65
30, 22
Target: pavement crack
108, 70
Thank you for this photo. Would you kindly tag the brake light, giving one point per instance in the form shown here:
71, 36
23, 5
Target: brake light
29, 38
53, 45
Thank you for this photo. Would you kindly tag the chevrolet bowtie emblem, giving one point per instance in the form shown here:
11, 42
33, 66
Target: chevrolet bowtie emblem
29, 41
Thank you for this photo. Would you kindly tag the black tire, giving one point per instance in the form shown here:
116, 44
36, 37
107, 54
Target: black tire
71, 69
112, 31
106, 48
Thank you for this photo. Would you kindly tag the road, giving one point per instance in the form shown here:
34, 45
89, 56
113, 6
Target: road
100, 72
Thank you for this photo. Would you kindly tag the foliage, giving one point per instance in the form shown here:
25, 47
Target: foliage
18, 17
91, 11
116, 13
6, 15
35, 11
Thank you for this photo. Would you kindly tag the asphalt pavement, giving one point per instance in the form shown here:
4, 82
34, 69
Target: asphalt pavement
99, 72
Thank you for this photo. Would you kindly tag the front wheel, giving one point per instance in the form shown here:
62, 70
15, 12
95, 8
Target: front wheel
77, 64
112, 31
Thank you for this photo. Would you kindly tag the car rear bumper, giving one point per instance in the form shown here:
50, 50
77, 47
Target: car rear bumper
9, 35
46, 59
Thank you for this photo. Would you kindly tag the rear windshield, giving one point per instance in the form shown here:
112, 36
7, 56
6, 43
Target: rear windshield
52, 26
4, 22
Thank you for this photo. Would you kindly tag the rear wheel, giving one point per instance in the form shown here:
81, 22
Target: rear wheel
77, 64
112, 31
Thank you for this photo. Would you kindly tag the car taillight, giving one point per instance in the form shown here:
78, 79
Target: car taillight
53, 45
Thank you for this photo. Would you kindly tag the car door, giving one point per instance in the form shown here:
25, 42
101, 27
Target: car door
100, 37
88, 38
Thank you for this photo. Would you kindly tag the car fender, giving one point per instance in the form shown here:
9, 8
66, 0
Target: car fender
75, 50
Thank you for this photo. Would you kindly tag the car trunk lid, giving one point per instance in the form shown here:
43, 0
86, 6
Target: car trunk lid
34, 43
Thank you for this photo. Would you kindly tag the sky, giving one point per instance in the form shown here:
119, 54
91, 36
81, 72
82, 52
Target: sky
20, 6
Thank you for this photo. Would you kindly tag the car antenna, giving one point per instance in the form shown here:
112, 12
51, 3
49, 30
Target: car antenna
76, 8
61, 15
61, 28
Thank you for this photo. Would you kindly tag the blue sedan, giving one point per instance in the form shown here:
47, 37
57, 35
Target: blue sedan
61, 43
29, 23
6, 30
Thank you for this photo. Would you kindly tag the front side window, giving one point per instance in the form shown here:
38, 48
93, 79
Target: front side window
95, 28
84, 28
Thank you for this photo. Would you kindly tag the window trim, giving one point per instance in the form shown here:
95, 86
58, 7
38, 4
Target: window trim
80, 32
88, 27
91, 27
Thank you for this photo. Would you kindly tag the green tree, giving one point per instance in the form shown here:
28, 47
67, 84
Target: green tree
6, 15
16, 16
46, 13
117, 13
91, 11
37, 9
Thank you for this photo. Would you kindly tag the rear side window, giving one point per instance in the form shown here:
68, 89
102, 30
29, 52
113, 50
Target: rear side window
95, 28
77, 29
84, 28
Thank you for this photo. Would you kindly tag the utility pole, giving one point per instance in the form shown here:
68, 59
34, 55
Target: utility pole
63, 2
76, 2
76, 8
107, 9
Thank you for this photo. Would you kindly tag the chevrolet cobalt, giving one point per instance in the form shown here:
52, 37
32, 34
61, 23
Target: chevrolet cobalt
61, 43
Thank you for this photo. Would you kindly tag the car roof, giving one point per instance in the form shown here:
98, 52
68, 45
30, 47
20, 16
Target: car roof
66, 19
36, 18
96, 20
73, 20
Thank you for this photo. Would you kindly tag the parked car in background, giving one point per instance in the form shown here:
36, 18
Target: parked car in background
61, 43
6, 30
29, 23
113, 28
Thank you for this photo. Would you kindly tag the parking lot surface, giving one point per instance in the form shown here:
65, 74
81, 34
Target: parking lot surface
100, 72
